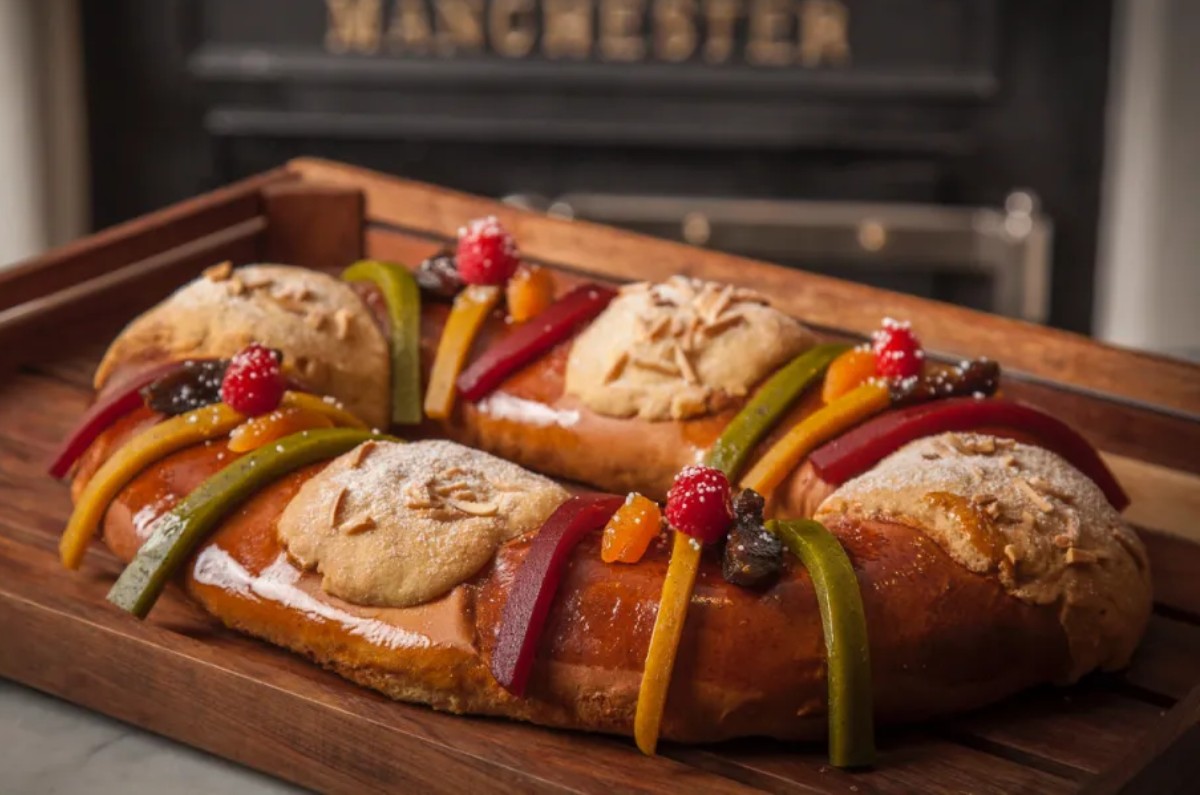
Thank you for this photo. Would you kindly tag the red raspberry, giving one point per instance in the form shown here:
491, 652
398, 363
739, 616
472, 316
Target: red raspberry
486, 252
698, 503
897, 350
254, 382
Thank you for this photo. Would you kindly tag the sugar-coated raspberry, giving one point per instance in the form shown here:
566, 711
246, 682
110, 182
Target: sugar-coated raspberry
254, 382
698, 503
897, 350
486, 252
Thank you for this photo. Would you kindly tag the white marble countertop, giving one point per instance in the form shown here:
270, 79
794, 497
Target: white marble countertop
51, 747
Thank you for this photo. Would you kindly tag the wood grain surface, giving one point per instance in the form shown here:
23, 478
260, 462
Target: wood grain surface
183, 676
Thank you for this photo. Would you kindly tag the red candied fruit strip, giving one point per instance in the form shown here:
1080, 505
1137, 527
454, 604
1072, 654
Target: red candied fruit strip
528, 342
536, 582
121, 400
862, 448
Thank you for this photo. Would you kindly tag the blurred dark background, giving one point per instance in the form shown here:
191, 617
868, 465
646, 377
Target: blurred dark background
951, 148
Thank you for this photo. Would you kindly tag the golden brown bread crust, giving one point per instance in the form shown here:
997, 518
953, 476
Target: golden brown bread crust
751, 663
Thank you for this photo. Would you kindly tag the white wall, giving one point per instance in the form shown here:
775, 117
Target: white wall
43, 190
1148, 291
22, 226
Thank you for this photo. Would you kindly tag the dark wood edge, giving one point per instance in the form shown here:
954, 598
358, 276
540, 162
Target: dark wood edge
1165, 762
94, 300
136, 239
312, 225
1175, 568
1107, 370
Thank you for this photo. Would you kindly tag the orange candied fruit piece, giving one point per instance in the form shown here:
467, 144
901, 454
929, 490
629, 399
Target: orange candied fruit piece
852, 369
630, 530
529, 292
273, 426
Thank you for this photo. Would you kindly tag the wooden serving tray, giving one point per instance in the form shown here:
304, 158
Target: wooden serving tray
181, 675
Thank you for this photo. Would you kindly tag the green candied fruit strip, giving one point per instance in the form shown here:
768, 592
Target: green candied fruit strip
847, 648
767, 407
178, 532
403, 298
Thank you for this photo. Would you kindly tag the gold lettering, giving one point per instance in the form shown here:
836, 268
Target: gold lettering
410, 30
567, 28
823, 25
511, 27
720, 17
770, 25
674, 29
459, 25
621, 30
354, 25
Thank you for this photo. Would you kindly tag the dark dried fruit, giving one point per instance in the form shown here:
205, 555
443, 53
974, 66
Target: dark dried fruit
438, 276
753, 557
979, 378
195, 385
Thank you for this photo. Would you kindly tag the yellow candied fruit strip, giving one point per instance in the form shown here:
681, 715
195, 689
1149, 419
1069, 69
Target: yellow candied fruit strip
331, 408
470, 309
135, 455
820, 426
264, 429
664, 641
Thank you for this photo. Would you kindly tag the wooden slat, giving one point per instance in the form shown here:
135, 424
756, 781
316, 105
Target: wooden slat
75, 366
1161, 498
33, 502
1168, 660
100, 304
135, 240
1164, 762
39, 424
1128, 430
313, 226
1078, 731
388, 244
1048, 353
906, 764
1174, 567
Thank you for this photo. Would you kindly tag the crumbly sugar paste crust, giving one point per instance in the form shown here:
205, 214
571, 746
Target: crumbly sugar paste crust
390, 524
326, 333
679, 349
1026, 515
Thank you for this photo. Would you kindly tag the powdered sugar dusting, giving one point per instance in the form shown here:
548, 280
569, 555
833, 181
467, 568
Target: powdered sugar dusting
678, 349
503, 406
1026, 515
425, 517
